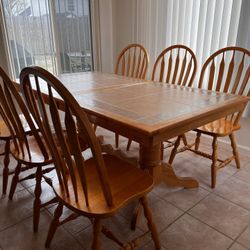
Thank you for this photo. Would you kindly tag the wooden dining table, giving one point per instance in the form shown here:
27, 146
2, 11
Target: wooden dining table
149, 113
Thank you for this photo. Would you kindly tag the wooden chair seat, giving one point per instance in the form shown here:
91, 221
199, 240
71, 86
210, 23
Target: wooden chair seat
4, 131
137, 184
219, 128
35, 157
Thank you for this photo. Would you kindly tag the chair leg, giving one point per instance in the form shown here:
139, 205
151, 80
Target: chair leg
94, 127
37, 201
116, 140
184, 139
235, 150
174, 150
54, 224
6, 165
197, 141
162, 151
15, 180
96, 230
129, 144
151, 224
214, 161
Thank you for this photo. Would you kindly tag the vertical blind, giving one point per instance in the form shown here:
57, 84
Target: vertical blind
203, 25
52, 34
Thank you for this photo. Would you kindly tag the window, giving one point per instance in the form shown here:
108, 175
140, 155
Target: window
74, 36
52, 34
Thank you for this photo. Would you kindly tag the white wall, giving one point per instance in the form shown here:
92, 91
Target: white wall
122, 25
106, 35
116, 30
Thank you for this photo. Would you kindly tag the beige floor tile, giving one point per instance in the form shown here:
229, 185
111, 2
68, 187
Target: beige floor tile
119, 226
18, 188
163, 213
235, 190
224, 151
31, 182
237, 246
11, 168
150, 246
189, 234
244, 158
167, 204
199, 169
244, 238
16, 210
21, 237
47, 192
74, 226
243, 174
181, 197
222, 215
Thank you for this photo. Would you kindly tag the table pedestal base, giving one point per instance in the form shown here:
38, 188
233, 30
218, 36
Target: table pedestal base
150, 158
171, 179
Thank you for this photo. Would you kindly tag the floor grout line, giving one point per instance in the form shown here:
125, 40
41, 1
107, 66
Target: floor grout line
184, 212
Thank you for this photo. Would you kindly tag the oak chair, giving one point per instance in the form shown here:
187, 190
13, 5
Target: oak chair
28, 149
176, 65
97, 187
225, 71
5, 136
133, 62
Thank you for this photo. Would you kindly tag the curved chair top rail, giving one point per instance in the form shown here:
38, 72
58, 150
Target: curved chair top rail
63, 133
227, 70
176, 64
133, 61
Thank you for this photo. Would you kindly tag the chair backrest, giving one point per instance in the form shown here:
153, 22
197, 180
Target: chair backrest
62, 131
227, 71
175, 65
133, 61
15, 114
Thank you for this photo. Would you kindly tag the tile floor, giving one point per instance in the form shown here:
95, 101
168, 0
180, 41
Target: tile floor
195, 219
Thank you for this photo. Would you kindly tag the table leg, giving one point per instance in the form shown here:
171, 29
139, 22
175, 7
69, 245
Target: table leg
150, 159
